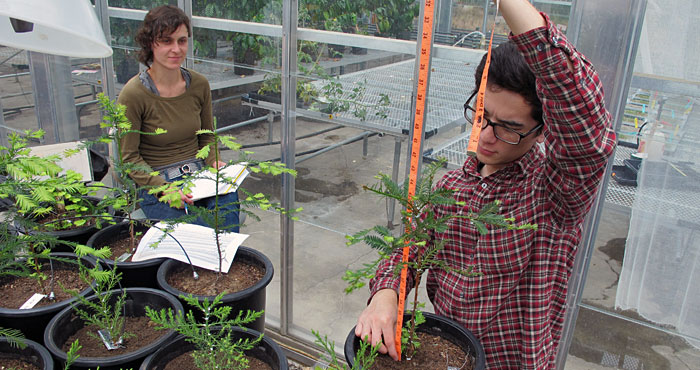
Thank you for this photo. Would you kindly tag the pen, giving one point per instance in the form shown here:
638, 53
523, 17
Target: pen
186, 210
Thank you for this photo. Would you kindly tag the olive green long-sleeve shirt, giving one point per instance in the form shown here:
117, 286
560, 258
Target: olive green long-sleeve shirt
180, 116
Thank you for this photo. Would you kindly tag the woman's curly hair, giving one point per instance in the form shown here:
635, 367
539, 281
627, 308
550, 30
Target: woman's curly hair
160, 21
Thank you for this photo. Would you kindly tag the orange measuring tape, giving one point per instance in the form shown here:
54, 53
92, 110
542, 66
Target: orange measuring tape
419, 116
479, 109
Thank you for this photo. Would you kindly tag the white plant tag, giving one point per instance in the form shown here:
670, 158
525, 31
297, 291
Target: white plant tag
107, 340
32, 301
124, 257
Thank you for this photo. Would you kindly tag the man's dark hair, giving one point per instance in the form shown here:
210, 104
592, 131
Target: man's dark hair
509, 71
160, 21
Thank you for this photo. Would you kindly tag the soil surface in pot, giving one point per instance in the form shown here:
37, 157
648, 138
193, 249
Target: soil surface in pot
434, 353
15, 364
240, 276
143, 330
120, 245
186, 362
17, 291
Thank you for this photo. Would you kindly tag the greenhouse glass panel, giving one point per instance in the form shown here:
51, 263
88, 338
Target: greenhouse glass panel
639, 304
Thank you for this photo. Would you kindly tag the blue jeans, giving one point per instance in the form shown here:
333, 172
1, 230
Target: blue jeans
157, 210
228, 208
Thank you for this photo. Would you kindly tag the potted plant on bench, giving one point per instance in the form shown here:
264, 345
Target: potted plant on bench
420, 222
251, 271
220, 342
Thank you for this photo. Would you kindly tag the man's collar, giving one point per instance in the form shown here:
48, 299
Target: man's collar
521, 165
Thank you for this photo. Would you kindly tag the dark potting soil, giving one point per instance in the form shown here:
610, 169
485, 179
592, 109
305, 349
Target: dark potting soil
186, 362
434, 353
18, 290
143, 330
240, 276
15, 364
120, 245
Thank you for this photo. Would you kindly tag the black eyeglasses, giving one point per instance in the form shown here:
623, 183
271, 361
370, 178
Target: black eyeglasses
502, 132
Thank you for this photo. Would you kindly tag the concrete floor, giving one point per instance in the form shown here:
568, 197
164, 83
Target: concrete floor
328, 187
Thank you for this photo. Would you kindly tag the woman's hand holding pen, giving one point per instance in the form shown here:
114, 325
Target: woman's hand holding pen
186, 199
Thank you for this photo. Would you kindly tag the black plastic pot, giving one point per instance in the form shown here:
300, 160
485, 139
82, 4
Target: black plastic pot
134, 274
435, 325
65, 324
252, 298
34, 353
240, 67
267, 351
32, 321
358, 50
336, 51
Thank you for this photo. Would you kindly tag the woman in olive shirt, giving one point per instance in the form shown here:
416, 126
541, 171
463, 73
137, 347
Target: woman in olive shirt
177, 100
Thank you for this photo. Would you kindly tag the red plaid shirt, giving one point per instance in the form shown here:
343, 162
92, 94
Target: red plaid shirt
516, 308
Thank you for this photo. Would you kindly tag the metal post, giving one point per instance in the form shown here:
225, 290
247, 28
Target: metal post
288, 148
107, 70
395, 179
486, 17
443, 16
186, 6
600, 29
55, 110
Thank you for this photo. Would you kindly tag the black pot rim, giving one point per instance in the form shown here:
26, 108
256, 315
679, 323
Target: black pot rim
43, 353
123, 265
479, 355
179, 343
113, 360
235, 296
54, 307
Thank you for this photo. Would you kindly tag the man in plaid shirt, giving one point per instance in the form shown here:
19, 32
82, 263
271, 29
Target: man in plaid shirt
539, 90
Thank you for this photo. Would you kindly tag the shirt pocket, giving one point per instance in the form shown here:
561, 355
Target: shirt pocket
503, 252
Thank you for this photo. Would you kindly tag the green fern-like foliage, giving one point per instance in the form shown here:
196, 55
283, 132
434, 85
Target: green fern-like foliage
364, 358
38, 188
215, 346
101, 310
420, 223
14, 337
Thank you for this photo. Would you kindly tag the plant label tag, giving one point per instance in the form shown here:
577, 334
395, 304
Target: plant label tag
124, 257
107, 340
32, 301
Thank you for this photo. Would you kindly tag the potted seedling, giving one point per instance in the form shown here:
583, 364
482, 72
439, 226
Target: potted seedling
29, 272
421, 221
30, 285
219, 342
45, 198
122, 237
110, 326
251, 271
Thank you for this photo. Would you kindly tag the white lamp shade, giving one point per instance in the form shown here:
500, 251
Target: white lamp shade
62, 27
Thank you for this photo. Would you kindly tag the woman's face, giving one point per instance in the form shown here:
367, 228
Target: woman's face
170, 51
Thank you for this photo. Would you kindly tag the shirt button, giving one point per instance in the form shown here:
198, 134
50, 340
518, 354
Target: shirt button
483, 185
540, 47
555, 40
